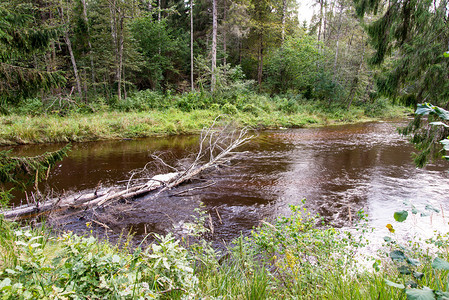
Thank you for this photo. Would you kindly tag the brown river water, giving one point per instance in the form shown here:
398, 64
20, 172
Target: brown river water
338, 169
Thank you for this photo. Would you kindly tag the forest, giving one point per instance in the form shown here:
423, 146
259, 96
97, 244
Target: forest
89, 70
102, 52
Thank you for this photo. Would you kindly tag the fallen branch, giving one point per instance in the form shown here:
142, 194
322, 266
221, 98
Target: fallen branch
193, 189
214, 147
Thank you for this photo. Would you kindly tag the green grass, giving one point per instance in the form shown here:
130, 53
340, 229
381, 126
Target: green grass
289, 259
105, 124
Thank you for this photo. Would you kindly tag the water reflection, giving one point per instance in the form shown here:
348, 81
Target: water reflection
339, 170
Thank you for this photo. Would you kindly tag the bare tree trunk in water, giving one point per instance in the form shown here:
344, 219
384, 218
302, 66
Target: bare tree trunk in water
214, 45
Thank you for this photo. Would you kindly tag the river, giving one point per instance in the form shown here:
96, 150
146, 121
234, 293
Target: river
338, 169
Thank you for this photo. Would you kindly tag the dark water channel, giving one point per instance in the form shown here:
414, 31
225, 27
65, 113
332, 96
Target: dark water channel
339, 170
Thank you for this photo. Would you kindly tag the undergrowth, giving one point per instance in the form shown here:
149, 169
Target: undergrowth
291, 258
149, 113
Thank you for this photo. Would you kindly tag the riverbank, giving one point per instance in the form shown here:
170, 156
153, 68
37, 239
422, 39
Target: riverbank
289, 259
104, 125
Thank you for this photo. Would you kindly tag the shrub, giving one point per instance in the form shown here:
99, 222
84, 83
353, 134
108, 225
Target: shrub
229, 109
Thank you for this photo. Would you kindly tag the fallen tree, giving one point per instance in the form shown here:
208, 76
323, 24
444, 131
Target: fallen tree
215, 147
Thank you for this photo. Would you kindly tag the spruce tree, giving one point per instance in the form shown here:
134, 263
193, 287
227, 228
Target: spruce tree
22, 40
410, 38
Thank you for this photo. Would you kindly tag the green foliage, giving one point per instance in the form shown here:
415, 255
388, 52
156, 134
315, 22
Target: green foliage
420, 280
144, 101
22, 172
378, 105
408, 39
22, 39
296, 66
429, 136
164, 52
83, 267
401, 216
302, 253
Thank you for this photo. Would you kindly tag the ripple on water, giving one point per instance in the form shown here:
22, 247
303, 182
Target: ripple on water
338, 169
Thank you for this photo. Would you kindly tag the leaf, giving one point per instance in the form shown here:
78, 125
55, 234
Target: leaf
440, 264
394, 284
418, 275
442, 295
397, 255
430, 207
445, 144
420, 294
5, 283
414, 210
405, 270
390, 228
439, 124
424, 109
446, 54
411, 284
413, 262
401, 216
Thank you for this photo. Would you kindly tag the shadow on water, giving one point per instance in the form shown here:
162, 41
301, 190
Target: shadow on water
339, 170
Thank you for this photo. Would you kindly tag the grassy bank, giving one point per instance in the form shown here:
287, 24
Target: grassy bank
289, 259
146, 116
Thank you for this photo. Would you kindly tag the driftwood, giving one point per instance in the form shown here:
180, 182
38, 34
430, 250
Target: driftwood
214, 147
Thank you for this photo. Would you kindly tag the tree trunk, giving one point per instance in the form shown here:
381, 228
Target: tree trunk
321, 20
159, 22
214, 45
338, 41
72, 56
355, 81
120, 53
92, 68
225, 16
284, 16
260, 66
191, 45
324, 21
116, 45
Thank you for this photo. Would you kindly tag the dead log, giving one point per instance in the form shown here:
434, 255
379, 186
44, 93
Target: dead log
214, 147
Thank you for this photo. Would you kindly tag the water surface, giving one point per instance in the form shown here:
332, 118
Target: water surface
339, 170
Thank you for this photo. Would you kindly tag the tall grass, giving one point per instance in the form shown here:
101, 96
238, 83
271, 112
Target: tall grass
289, 259
149, 113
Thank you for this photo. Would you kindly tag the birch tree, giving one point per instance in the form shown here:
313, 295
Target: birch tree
214, 45
65, 15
